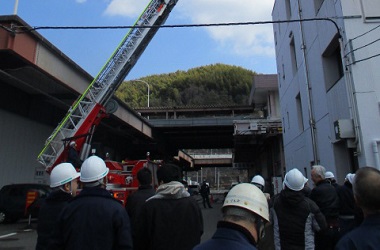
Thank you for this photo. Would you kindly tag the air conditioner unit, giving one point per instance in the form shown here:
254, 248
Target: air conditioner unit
344, 129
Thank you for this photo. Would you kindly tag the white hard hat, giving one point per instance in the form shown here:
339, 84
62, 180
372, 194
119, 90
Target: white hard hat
295, 180
350, 177
329, 175
93, 169
62, 174
249, 197
258, 179
72, 143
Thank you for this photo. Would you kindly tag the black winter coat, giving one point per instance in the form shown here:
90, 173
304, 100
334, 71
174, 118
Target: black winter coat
93, 220
135, 202
171, 220
326, 197
48, 215
295, 219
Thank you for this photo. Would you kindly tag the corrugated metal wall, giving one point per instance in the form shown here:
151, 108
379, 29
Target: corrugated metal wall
21, 140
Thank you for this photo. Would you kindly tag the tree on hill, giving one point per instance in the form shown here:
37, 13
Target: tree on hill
216, 84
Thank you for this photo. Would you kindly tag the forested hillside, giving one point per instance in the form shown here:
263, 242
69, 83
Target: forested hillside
217, 84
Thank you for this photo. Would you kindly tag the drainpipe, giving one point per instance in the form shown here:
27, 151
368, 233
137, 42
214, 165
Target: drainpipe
309, 94
351, 97
376, 153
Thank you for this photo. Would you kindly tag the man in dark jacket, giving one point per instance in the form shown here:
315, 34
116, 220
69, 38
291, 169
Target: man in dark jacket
73, 155
171, 219
245, 212
64, 181
93, 219
324, 194
350, 215
138, 198
295, 217
205, 193
366, 186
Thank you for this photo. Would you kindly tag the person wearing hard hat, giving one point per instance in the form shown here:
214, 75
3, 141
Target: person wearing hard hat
205, 193
350, 215
331, 178
259, 182
93, 219
73, 155
366, 186
295, 217
64, 181
244, 211
324, 194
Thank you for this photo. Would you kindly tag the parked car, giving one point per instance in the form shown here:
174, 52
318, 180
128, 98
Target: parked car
13, 201
193, 189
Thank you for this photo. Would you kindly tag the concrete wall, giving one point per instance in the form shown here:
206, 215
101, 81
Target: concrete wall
306, 91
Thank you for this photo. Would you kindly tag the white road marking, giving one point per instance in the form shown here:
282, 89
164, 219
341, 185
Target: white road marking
7, 235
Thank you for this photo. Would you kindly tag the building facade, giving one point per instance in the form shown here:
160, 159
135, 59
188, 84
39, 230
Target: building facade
327, 55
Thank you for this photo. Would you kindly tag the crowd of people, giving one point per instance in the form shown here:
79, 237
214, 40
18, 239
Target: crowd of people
327, 216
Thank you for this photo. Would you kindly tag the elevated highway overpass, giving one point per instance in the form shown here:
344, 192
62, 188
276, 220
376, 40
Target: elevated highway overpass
39, 84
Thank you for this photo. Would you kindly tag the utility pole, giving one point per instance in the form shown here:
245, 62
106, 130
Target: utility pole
15, 8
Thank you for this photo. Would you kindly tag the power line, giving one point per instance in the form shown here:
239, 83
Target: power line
361, 47
25, 29
364, 59
365, 33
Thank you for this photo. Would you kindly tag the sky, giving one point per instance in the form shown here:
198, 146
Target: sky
171, 49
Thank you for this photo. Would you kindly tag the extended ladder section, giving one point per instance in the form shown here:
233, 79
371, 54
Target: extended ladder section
85, 111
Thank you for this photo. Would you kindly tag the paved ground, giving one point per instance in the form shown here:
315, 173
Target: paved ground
20, 236
210, 218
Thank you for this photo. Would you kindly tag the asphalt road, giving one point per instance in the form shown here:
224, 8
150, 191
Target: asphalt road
18, 236
23, 236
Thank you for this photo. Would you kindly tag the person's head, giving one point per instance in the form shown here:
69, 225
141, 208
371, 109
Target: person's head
94, 172
65, 177
168, 172
258, 181
318, 173
73, 144
366, 189
144, 176
246, 205
294, 180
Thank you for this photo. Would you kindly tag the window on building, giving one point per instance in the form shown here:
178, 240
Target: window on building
332, 64
293, 55
299, 112
288, 8
288, 119
370, 9
318, 5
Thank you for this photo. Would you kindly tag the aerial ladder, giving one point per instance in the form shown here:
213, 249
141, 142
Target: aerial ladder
90, 108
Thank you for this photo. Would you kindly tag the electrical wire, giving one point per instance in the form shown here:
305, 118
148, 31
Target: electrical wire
364, 59
365, 33
361, 47
25, 29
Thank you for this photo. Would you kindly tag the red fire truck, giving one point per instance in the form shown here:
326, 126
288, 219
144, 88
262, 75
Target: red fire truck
96, 103
122, 179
